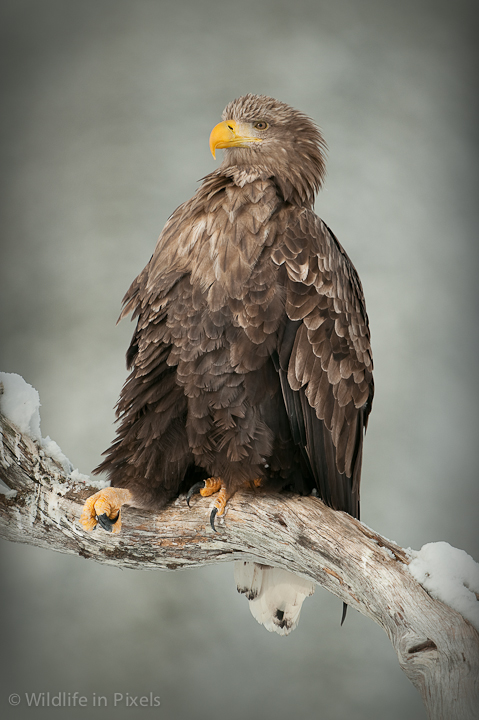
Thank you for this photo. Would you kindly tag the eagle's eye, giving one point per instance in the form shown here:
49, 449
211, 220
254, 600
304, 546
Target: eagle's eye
260, 125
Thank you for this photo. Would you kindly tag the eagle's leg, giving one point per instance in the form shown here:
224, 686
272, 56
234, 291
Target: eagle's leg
205, 487
222, 498
209, 487
104, 507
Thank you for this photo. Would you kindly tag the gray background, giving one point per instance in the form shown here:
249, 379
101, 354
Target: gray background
107, 111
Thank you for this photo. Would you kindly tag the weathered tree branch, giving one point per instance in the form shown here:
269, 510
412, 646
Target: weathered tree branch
437, 649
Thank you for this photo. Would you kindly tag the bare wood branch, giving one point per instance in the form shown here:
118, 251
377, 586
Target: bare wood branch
437, 649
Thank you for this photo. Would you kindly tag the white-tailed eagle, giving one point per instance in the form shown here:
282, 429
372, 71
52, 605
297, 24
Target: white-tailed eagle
251, 362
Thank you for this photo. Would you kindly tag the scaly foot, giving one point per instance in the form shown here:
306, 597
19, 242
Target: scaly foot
104, 507
209, 487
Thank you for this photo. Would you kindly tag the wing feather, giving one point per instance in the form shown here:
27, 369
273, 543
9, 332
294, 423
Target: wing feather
325, 358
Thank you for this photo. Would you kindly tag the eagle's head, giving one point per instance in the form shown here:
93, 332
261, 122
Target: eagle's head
265, 135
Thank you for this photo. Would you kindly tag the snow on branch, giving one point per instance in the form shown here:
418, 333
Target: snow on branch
41, 501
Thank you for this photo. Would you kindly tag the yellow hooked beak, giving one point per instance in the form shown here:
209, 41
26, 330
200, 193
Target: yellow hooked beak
231, 134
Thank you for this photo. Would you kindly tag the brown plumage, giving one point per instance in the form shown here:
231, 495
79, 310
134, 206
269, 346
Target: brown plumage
251, 354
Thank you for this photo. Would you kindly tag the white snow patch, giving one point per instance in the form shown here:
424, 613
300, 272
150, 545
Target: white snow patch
53, 450
5, 490
77, 477
385, 549
388, 552
449, 575
410, 553
20, 403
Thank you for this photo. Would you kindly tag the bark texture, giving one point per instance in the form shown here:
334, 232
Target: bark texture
437, 649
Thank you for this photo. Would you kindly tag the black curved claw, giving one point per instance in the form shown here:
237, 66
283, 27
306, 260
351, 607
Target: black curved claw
212, 518
194, 489
106, 522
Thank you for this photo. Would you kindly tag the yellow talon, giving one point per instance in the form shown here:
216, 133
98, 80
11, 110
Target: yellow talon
106, 502
215, 485
212, 485
221, 500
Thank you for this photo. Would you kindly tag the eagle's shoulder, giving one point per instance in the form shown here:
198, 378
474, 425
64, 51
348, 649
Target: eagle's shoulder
317, 264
